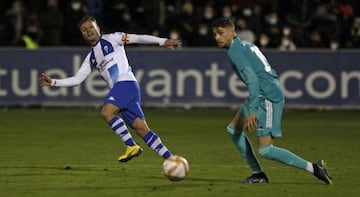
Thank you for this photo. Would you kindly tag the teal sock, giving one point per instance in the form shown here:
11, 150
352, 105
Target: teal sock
282, 155
243, 144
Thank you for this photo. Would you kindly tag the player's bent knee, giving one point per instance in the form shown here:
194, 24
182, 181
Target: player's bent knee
266, 151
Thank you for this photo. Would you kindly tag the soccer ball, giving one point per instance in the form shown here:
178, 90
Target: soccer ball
176, 168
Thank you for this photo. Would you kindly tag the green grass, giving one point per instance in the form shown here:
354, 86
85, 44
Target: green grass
72, 152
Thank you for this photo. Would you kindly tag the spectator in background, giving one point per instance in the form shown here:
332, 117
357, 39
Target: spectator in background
208, 14
263, 41
51, 24
175, 34
272, 27
146, 15
325, 21
287, 44
95, 8
316, 40
30, 39
75, 11
355, 33
202, 37
243, 32
320, 20
15, 19
227, 13
186, 22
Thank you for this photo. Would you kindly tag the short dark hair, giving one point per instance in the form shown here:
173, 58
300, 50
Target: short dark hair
86, 18
222, 22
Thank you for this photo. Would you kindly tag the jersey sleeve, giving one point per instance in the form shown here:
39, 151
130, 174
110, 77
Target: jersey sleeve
249, 77
79, 77
141, 39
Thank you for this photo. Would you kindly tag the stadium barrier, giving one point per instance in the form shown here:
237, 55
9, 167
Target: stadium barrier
182, 78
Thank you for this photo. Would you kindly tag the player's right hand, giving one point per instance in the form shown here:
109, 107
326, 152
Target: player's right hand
45, 80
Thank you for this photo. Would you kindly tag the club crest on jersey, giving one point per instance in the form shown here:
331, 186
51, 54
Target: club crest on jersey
106, 47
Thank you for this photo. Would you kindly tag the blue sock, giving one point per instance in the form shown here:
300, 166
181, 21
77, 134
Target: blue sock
282, 155
243, 144
118, 126
154, 142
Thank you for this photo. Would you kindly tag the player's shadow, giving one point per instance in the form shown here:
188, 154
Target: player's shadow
198, 179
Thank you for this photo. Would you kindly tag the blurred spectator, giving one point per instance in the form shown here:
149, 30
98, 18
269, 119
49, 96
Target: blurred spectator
186, 22
73, 14
316, 23
287, 44
208, 14
272, 27
202, 37
15, 23
146, 16
30, 39
95, 8
316, 40
263, 41
51, 24
175, 34
355, 34
243, 32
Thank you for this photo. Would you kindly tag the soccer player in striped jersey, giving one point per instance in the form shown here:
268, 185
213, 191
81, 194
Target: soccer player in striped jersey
122, 105
262, 111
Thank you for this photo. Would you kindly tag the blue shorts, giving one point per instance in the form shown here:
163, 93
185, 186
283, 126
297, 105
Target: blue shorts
127, 97
268, 116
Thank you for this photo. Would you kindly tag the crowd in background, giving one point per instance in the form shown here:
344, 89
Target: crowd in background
281, 24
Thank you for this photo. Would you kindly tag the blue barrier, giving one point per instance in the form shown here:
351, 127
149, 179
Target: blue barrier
185, 77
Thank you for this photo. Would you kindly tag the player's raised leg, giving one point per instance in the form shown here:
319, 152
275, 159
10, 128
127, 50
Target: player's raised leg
109, 113
151, 138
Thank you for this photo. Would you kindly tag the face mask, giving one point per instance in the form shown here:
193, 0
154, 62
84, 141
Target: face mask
208, 15
286, 31
334, 45
247, 12
76, 6
126, 17
227, 14
272, 20
203, 31
174, 35
264, 41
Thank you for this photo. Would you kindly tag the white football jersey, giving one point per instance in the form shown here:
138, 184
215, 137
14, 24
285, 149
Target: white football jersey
109, 57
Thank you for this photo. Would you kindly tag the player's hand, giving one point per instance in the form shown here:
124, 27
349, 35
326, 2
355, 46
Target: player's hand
45, 80
250, 123
172, 43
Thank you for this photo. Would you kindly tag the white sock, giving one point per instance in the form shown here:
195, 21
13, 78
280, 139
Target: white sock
309, 167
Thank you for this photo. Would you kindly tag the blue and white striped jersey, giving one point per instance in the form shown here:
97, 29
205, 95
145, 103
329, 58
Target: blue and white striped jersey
109, 58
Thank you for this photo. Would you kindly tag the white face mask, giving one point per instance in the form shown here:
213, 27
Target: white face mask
76, 6
247, 12
203, 31
208, 15
227, 14
174, 35
264, 41
286, 31
273, 20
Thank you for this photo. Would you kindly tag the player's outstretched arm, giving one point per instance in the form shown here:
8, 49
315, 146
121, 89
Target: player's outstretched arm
45, 80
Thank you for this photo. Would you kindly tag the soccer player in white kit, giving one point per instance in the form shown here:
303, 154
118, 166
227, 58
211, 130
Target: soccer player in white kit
122, 106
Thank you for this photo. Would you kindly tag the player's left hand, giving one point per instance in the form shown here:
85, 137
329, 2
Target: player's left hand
172, 43
45, 80
250, 123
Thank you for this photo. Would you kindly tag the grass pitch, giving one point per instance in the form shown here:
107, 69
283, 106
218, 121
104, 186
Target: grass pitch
72, 152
